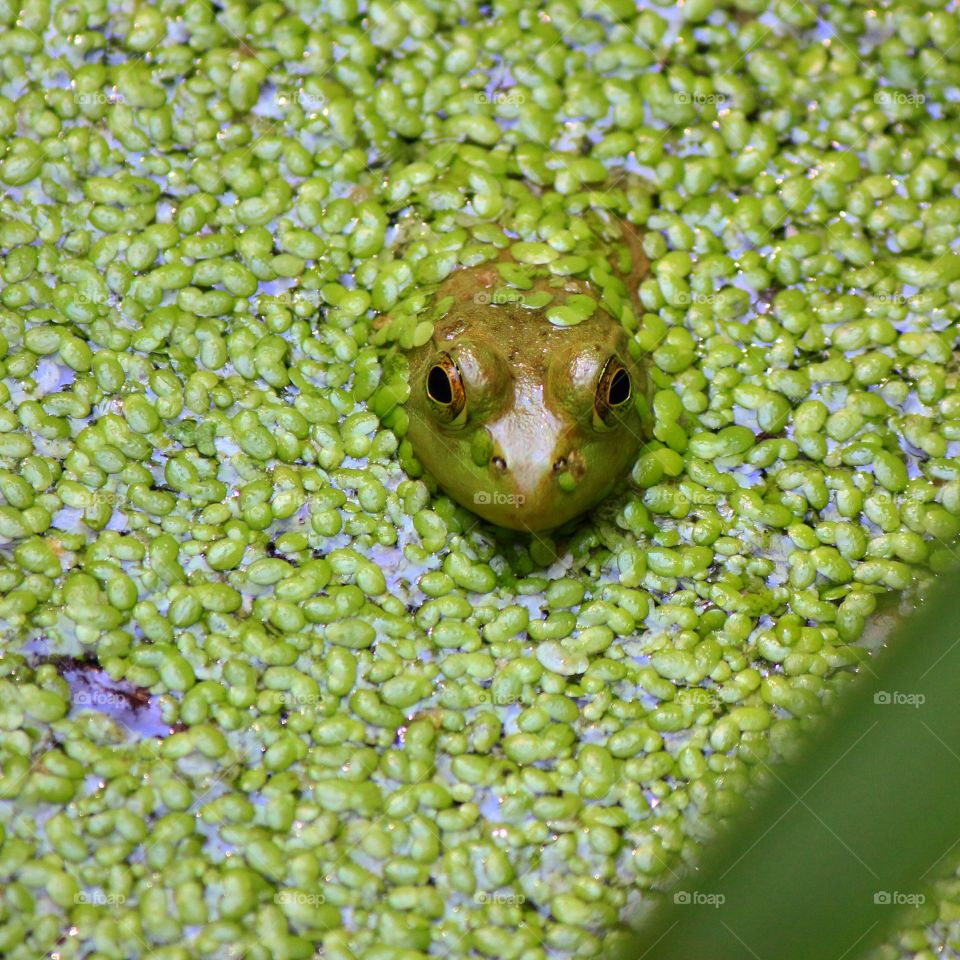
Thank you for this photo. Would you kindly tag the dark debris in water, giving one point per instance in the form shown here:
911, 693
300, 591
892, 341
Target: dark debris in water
92, 688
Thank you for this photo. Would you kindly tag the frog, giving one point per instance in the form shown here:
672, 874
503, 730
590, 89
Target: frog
530, 401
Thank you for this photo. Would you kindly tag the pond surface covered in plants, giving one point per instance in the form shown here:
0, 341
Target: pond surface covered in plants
264, 691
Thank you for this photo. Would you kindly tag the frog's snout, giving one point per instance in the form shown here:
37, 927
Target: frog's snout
533, 466
566, 465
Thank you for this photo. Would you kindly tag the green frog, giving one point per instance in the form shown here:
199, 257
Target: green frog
530, 400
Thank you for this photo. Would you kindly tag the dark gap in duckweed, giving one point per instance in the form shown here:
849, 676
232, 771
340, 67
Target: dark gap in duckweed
90, 688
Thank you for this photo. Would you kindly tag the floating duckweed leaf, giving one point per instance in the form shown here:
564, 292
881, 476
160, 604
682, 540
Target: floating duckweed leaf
613, 303
564, 316
473, 254
627, 317
537, 253
567, 481
537, 300
443, 305
481, 448
490, 233
554, 656
435, 267
515, 275
585, 306
406, 327
498, 296
569, 266
421, 333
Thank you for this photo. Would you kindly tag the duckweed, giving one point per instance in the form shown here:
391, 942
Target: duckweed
260, 684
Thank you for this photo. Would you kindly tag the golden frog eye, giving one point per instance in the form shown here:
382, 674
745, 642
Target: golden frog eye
614, 392
445, 391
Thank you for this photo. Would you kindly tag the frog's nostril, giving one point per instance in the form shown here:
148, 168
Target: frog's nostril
560, 465
499, 464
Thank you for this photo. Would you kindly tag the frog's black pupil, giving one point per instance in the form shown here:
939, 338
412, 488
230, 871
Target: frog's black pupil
619, 388
438, 385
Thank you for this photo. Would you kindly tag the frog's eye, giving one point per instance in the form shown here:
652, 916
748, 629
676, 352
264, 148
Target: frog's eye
614, 392
445, 390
